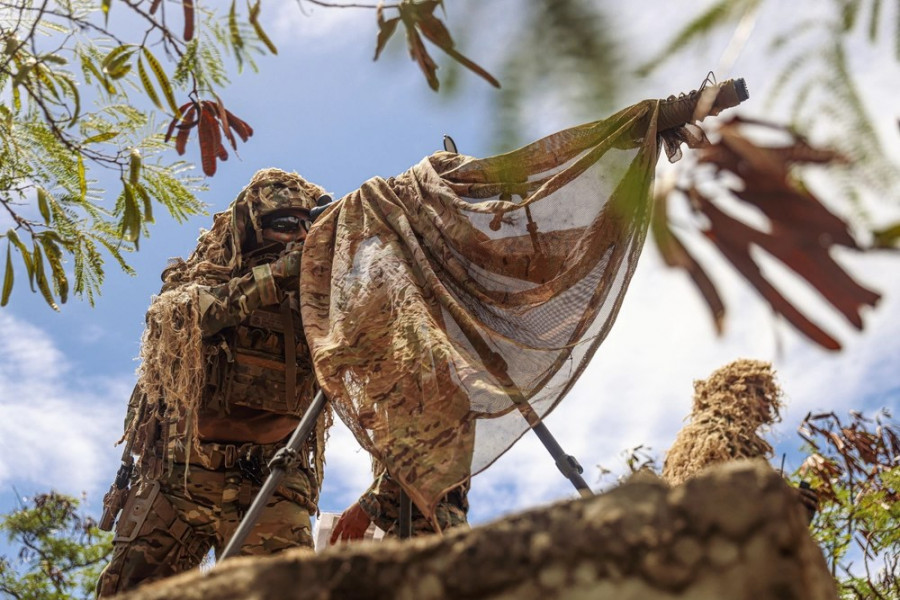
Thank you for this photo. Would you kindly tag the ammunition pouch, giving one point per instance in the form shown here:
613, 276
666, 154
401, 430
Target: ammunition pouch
267, 367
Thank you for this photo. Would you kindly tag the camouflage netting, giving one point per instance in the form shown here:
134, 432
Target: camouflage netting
450, 306
730, 410
173, 369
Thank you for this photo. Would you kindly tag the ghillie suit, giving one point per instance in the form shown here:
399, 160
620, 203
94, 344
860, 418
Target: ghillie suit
224, 380
730, 409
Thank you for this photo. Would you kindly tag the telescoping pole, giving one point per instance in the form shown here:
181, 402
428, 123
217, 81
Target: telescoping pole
283, 460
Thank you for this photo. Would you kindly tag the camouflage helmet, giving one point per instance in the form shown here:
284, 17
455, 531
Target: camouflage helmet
269, 191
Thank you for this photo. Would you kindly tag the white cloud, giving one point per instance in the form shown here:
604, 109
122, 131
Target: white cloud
295, 24
56, 429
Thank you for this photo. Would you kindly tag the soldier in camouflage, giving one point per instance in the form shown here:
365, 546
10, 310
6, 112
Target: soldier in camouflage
203, 447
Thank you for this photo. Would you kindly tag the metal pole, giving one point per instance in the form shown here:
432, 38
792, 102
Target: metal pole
283, 460
405, 517
566, 463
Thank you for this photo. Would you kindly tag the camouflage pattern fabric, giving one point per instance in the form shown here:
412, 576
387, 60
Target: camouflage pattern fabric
216, 346
449, 308
184, 522
381, 502
225, 378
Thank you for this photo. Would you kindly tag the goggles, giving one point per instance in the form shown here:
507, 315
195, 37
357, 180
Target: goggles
286, 223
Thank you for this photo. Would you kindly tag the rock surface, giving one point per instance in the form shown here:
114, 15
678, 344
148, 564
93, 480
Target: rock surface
733, 532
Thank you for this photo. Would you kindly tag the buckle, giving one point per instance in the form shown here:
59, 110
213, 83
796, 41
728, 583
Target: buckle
230, 454
250, 467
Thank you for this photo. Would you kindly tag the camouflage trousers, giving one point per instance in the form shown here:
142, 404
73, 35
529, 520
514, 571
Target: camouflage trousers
169, 525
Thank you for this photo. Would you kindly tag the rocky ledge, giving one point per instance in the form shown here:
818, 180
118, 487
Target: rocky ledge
734, 532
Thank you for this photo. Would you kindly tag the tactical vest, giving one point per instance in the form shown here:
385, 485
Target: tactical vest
259, 370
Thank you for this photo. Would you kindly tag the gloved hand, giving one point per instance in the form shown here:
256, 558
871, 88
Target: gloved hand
286, 270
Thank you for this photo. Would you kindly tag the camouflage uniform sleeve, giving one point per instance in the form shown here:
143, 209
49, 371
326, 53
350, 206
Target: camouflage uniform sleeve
228, 304
381, 502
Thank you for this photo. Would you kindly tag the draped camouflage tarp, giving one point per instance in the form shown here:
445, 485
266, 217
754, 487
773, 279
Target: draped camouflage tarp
450, 306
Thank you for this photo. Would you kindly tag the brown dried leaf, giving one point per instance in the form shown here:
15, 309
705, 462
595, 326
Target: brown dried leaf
733, 239
210, 142
184, 130
418, 52
386, 29
676, 255
802, 230
240, 126
222, 114
176, 121
437, 33
188, 19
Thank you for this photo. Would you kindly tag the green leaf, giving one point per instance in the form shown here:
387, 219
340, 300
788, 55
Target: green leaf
105, 8
26, 256
134, 166
101, 78
82, 178
233, 30
721, 13
874, 20
260, 33
23, 74
73, 92
8, 278
889, 237
131, 217
148, 204
41, 278
54, 257
101, 137
163, 82
116, 64
44, 204
148, 85
44, 76
54, 58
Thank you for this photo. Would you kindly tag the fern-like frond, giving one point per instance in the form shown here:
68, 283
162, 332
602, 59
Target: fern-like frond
171, 186
721, 14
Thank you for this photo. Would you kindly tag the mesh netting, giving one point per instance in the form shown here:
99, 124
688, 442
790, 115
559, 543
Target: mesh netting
451, 306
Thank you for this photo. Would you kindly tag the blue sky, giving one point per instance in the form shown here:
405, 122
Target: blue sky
324, 109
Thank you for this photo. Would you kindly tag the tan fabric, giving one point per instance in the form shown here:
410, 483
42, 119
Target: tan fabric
443, 305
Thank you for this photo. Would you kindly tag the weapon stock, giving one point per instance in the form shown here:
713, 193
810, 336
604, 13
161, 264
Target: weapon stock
115, 498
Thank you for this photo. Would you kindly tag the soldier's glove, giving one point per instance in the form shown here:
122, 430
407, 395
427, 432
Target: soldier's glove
286, 270
277, 277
